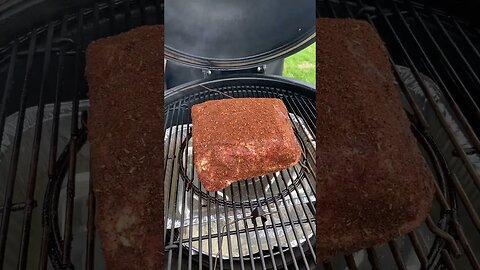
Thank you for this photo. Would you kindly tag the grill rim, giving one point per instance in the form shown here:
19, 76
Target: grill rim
305, 87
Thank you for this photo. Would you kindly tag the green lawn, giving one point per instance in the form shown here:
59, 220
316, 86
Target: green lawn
301, 65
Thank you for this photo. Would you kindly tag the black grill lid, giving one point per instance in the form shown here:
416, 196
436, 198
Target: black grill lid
232, 34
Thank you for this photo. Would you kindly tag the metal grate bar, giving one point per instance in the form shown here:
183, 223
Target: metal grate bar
419, 249
67, 243
169, 157
272, 221
306, 111
466, 246
467, 39
270, 247
237, 231
295, 264
458, 51
56, 111
190, 236
350, 262
170, 251
229, 241
396, 255
373, 258
7, 204
90, 257
200, 247
447, 237
466, 201
182, 217
312, 156
39, 119
29, 202
127, 11
210, 237
447, 260
184, 198
327, 265
298, 108
248, 235
444, 88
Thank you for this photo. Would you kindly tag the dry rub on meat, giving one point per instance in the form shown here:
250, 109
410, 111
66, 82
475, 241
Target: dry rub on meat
373, 184
125, 78
241, 138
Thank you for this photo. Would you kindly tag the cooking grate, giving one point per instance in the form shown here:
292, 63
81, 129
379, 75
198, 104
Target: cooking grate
262, 223
436, 58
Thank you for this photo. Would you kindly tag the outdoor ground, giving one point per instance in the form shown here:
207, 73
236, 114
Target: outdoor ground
301, 65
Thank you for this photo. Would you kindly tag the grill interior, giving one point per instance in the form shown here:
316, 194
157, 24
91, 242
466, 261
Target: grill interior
47, 208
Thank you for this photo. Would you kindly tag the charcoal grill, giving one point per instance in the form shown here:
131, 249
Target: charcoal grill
44, 155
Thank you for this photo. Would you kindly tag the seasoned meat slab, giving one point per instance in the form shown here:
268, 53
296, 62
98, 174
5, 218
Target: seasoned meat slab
373, 184
240, 138
125, 78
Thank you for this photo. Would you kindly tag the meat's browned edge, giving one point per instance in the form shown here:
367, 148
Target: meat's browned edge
125, 78
373, 184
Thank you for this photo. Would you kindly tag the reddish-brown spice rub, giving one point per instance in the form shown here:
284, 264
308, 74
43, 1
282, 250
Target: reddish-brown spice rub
373, 183
240, 138
125, 78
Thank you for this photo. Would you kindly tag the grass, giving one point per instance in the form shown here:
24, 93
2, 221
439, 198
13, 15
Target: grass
301, 65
